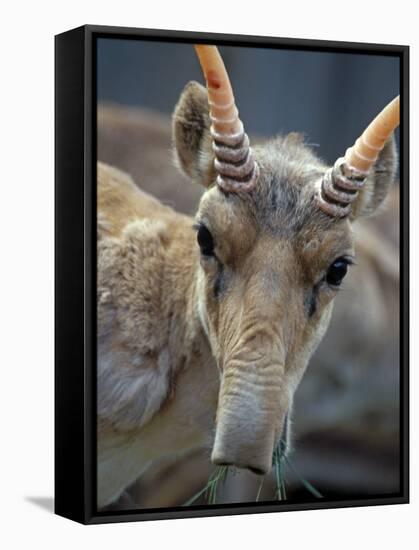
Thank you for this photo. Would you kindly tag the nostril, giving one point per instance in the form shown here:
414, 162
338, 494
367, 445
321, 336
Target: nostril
257, 471
260, 471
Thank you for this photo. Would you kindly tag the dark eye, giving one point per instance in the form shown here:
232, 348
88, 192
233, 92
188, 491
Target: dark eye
337, 271
205, 241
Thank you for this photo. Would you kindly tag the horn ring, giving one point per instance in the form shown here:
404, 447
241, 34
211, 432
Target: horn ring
331, 191
231, 154
232, 140
237, 171
230, 185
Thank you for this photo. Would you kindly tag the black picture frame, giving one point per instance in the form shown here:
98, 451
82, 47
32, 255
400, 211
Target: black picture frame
75, 272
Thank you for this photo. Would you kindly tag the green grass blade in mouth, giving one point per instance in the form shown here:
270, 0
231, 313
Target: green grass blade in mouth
278, 466
279, 461
196, 496
306, 483
217, 477
260, 489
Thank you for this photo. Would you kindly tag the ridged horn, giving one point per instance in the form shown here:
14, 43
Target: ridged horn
341, 183
237, 171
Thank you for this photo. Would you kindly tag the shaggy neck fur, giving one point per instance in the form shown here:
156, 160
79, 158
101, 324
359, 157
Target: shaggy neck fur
153, 354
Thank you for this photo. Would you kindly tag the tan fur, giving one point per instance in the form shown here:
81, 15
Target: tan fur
150, 344
208, 350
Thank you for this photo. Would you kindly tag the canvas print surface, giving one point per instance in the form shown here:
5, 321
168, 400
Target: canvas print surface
247, 275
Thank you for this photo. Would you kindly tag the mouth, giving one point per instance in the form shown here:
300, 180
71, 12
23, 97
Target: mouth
279, 456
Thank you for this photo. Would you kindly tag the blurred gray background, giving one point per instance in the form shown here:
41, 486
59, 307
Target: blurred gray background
328, 96
346, 410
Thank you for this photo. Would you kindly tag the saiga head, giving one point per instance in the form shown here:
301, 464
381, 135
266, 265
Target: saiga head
274, 234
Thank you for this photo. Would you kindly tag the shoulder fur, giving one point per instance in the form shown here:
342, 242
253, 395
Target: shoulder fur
120, 201
133, 363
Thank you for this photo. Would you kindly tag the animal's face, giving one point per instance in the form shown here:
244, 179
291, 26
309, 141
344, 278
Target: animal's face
271, 264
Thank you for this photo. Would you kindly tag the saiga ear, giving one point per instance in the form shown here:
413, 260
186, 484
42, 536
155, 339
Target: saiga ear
191, 135
378, 183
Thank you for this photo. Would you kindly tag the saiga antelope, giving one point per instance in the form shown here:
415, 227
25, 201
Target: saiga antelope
206, 326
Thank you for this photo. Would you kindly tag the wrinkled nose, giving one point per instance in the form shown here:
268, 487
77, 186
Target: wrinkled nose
252, 406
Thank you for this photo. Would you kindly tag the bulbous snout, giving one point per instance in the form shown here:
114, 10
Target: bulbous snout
244, 447
250, 420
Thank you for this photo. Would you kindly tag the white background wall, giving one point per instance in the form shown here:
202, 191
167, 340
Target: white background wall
26, 273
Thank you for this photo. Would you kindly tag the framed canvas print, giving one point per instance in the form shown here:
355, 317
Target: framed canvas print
231, 274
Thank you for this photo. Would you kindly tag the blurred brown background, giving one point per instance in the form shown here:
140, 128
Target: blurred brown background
346, 410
